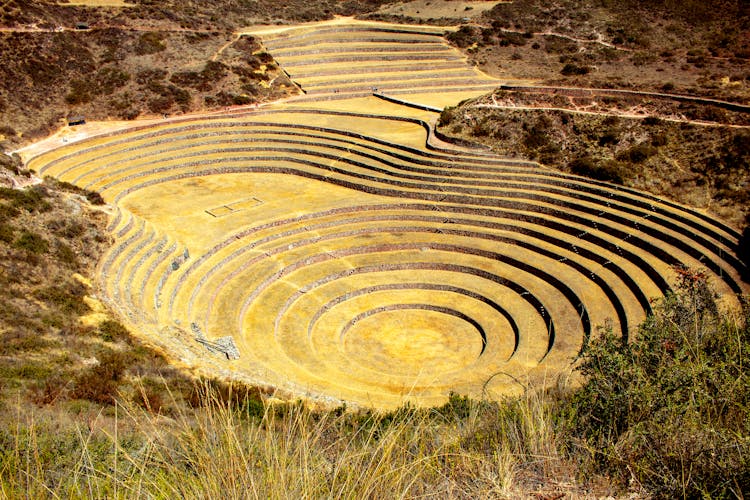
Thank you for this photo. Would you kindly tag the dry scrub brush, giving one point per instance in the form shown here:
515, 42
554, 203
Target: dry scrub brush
233, 448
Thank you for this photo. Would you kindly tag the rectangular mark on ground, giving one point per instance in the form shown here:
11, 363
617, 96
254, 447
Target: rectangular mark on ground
231, 208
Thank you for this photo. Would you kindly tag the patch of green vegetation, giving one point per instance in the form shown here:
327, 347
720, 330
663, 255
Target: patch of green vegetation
113, 331
29, 200
31, 242
571, 69
7, 233
99, 383
672, 407
150, 42
68, 297
607, 170
92, 197
66, 255
30, 370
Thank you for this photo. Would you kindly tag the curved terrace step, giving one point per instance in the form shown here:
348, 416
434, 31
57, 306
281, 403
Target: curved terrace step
353, 256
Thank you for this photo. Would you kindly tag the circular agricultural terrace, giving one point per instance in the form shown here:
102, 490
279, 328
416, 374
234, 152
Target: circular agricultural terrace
352, 257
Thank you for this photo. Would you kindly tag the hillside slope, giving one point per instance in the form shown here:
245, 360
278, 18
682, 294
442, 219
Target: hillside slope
147, 58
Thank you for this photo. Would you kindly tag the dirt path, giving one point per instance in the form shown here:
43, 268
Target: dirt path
611, 113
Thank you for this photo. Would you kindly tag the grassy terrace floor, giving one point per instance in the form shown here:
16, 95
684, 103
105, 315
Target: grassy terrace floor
353, 256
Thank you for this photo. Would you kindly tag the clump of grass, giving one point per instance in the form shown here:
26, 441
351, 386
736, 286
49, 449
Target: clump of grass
225, 447
31, 242
99, 383
67, 297
113, 331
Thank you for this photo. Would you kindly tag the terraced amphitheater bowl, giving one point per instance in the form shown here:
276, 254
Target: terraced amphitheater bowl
337, 251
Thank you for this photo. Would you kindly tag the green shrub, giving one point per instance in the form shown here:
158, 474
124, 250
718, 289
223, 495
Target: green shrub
214, 70
94, 198
188, 78
507, 39
244, 400
241, 100
8, 212
465, 36
160, 104
147, 76
537, 134
609, 137
609, 171
637, 153
66, 255
457, 407
671, 409
150, 42
65, 228
67, 297
50, 389
483, 128
81, 92
559, 45
112, 331
31, 242
109, 79
7, 233
265, 57
572, 69
100, 382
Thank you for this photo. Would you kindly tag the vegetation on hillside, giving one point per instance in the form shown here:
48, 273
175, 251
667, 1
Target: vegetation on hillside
111, 73
59, 344
150, 58
183, 14
671, 409
688, 48
685, 47
699, 165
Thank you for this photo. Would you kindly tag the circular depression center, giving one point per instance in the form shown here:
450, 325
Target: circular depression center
413, 339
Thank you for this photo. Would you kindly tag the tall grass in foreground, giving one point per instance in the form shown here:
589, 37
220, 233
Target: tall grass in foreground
464, 449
